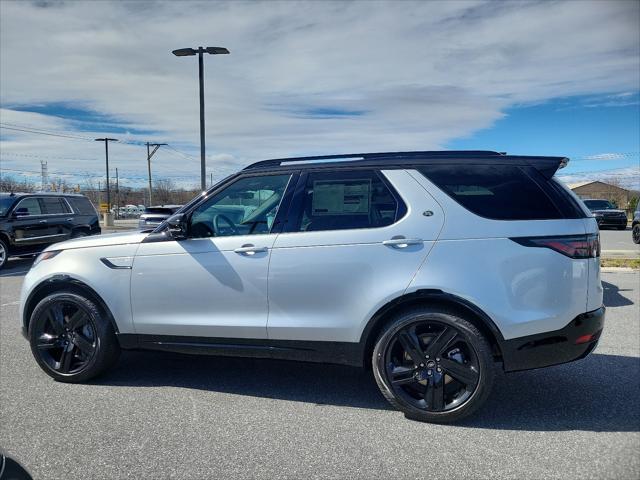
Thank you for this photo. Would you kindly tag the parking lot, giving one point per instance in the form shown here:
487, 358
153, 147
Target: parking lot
165, 415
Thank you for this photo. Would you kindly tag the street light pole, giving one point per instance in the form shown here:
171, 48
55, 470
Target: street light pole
106, 156
186, 52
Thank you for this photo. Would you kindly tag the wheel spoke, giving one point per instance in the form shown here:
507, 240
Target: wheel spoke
84, 345
463, 373
410, 344
77, 320
47, 341
437, 346
434, 394
65, 360
56, 320
402, 375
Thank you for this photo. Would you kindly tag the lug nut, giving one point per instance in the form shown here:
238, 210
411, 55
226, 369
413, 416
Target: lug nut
429, 372
422, 364
439, 369
437, 359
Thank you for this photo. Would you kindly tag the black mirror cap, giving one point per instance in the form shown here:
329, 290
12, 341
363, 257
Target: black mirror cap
178, 226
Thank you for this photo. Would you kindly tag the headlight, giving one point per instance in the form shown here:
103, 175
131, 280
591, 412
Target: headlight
597, 215
45, 256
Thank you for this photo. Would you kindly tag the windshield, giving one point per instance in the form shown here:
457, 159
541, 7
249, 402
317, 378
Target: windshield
599, 205
5, 204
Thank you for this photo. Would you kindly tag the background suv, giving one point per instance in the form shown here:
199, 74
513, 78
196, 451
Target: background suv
154, 216
426, 266
29, 222
606, 214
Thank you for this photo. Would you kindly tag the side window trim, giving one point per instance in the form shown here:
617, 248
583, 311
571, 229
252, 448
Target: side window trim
294, 217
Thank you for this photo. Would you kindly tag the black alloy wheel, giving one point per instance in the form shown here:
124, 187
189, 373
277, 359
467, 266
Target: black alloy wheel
635, 233
433, 366
71, 339
66, 339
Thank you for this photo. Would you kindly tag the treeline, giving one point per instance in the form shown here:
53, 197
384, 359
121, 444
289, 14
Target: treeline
165, 191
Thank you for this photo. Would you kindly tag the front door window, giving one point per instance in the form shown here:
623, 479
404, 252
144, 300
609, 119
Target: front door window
247, 207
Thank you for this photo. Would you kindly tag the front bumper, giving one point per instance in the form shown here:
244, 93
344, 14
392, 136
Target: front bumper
612, 221
553, 348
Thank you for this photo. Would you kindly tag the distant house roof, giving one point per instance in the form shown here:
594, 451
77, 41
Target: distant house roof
573, 186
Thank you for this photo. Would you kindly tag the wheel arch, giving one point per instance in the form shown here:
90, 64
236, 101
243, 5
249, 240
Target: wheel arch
63, 283
430, 298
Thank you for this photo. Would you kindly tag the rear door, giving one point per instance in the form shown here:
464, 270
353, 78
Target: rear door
354, 239
59, 218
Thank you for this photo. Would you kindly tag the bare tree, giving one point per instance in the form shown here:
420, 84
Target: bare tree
9, 183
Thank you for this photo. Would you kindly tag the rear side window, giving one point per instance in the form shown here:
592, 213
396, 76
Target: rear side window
499, 192
53, 205
346, 200
81, 205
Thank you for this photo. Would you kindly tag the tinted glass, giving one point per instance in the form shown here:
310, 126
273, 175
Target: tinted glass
81, 205
28, 206
598, 205
53, 205
345, 200
247, 207
500, 192
5, 204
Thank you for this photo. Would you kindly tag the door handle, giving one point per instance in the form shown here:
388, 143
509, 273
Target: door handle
250, 250
69, 219
42, 221
402, 242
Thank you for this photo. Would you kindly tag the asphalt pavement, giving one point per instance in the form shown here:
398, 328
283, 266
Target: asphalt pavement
177, 416
618, 243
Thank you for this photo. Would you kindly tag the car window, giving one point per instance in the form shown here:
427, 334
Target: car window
500, 192
81, 205
28, 206
599, 204
5, 204
247, 207
53, 206
347, 200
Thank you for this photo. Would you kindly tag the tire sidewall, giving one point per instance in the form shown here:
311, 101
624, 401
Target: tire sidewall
6, 253
475, 340
97, 322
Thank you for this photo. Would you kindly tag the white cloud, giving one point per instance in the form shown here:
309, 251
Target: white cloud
406, 75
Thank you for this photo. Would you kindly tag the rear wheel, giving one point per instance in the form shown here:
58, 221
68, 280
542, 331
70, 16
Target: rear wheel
4, 253
635, 233
433, 365
71, 338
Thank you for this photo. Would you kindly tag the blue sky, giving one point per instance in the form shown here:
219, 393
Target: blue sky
529, 77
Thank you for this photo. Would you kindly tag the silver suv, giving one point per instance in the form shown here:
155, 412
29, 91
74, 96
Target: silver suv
427, 267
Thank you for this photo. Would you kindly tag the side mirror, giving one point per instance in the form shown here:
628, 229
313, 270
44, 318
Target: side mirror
178, 226
20, 212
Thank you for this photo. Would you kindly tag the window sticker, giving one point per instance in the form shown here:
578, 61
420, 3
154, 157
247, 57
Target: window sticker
348, 197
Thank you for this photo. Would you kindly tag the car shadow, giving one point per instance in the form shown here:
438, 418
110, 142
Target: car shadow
613, 297
594, 394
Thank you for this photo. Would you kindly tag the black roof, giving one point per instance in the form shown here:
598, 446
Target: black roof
546, 165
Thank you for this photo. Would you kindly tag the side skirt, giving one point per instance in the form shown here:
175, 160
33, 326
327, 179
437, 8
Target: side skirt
340, 353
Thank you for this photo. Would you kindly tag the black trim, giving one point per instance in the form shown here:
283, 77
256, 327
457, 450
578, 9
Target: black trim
553, 348
113, 265
340, 353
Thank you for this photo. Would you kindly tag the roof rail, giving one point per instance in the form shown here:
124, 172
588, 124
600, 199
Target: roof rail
375, 156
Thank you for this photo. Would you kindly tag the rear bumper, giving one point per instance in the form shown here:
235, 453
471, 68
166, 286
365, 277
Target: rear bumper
612, 222
553, 348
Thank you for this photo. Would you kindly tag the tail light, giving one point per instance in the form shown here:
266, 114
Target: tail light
573, 246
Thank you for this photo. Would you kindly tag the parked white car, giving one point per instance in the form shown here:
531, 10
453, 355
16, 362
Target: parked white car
427, 266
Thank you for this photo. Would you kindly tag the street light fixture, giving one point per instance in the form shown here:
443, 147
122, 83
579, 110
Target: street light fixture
106, 154
188, 52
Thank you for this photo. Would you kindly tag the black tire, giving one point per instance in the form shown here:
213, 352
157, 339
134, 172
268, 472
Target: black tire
635, 233
400, 375
622, 227
71, 338
4, 253
79, 234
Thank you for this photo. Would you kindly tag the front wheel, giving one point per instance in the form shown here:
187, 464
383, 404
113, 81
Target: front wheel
433, 365
4, 253
71, 338
635, 233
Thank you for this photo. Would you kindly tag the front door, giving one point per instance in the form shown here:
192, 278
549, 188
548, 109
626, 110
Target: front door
30, 224
213, 283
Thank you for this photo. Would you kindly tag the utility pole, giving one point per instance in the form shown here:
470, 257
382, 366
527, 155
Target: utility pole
106, 155
117, 195
44, 175
211, 180
149, 155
